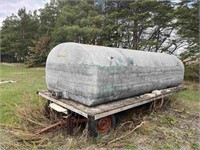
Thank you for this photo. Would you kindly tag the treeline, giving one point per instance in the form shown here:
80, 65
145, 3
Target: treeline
149, 25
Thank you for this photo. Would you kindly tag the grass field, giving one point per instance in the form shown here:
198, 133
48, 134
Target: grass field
174, 126
28, 81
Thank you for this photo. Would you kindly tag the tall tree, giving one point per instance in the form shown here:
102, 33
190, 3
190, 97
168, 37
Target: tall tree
143, 25
79, 22
151, 26
17, 33
48, 16
38, 52
187, 15
9, 36
27, 25
41, 46
148, 25
115, 13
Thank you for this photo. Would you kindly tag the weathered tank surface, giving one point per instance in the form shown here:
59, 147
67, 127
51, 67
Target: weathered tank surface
94, 75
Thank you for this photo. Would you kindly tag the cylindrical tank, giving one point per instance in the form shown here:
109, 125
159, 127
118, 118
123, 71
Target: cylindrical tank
94, 75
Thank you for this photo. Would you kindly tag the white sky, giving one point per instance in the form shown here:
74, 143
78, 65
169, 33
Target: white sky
9, 7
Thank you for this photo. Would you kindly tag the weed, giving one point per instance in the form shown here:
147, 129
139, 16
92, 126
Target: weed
130, 147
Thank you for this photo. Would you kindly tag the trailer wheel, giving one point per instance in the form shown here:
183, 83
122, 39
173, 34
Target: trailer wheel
101, 126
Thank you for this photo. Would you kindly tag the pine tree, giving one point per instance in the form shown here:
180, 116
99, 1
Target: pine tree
42, 45
147, 25
18, 32
188, 22
38, 53
79, 22
9, 36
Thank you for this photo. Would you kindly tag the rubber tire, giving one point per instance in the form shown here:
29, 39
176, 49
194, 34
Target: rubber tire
92, 126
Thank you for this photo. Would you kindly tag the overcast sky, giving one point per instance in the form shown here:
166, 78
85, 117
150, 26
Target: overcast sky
9, 7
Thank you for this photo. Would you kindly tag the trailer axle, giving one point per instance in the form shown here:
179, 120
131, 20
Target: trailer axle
67, 122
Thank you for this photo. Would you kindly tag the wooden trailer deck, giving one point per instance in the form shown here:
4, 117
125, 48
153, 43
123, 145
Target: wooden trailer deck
103, 110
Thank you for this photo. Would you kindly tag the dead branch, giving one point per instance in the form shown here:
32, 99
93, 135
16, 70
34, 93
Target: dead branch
122, 126
162, 102
35, 122
138, 126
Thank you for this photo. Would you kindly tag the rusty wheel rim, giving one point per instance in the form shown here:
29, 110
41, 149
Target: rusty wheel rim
104, 124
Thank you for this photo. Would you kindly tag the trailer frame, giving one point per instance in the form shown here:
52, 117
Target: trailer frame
111, 108
100, 118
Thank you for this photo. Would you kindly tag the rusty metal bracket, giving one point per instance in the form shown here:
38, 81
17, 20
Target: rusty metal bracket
69, 121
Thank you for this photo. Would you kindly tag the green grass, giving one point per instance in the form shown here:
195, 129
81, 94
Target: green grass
191, 94
29, 80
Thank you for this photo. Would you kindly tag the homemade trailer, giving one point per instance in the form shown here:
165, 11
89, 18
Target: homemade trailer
93, 75
97, 82
101, 118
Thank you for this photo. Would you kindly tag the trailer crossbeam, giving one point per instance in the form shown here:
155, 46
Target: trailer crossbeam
68, 121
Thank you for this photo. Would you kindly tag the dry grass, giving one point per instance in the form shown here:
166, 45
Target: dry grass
168, 127
31, 116
32, 119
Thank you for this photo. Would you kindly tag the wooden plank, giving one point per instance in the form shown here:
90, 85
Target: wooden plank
65, 105
125, 107
131, 101
103, 110
71, 105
